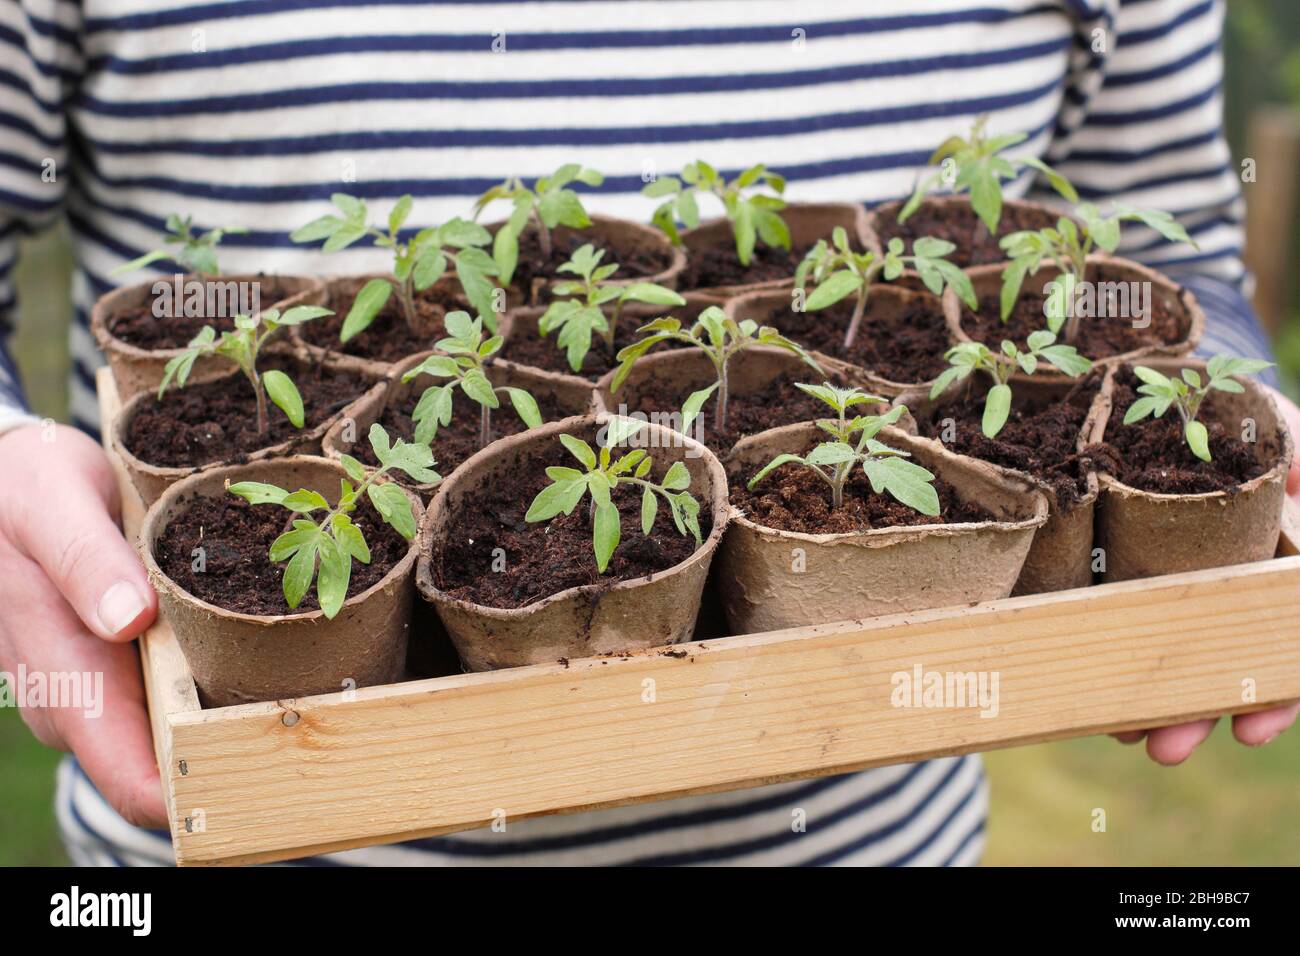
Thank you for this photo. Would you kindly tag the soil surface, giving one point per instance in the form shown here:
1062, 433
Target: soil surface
1152, 454
389, 338
906, 347
236, 536
1098, 337
715, 266
141, 328
958, 224
545, 558
533, 272
792, 498
457, 441
778, 403
527, 347
217, 421
1038, 439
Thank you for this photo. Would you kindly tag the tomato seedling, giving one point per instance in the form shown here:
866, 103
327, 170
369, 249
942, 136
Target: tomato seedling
603, 474
1187, 392
838, 272
753, 215
853, 444
417, 263
243, 346
582, 316
718, 337
323, 550
968, 357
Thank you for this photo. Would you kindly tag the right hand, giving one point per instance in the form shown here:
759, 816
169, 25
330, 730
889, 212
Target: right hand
74, 595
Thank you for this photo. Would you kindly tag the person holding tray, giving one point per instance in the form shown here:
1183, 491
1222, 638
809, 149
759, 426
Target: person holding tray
116, 113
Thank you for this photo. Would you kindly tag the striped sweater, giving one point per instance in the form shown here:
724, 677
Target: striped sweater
115, 113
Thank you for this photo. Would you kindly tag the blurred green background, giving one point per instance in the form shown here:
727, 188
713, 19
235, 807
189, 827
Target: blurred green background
1227, 805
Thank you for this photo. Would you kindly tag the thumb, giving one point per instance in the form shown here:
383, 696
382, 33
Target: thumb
64, 521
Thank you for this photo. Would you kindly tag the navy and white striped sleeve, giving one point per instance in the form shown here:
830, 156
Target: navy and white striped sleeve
1150, 133
39, 63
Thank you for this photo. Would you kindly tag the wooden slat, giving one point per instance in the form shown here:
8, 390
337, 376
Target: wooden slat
279, 780
432, 756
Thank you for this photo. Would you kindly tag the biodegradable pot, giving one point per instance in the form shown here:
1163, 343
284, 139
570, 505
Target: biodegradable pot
522, 323
883, 571
585, 621
689, 370
137, 370
241, 658
1145, 533
339, 290
887, 301
620, 237
152, 480
807, 223
1061, 555
574, 398
1017, 214
987, 281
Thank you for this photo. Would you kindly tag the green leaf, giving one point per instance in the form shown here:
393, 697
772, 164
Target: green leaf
439, 366
428, 269
986, 197
678, 477
372, 297
333, 576
649, 508
298, 573
401, 209
771, 466
1198, 439
356, 471
1013, 278
505, 253
1066, 359
831, 453
838, 285
605, 534
476, 386
525, 407
651, 294
580, 450
694, 403
1140, 409
744, 231
558, 498
1162, 222
305, 501
394, 507
258, 492
350, 537
997, 408
619, 430
317, 229
289, 543
281, 390
906, 481
299, 314
1151, 377
1059, 182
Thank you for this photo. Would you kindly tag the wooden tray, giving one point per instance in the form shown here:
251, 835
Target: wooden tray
273, 781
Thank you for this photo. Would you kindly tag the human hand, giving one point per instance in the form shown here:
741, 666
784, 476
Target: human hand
75, 594
1173, 745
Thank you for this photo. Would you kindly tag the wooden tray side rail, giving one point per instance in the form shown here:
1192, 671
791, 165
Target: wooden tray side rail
278, 780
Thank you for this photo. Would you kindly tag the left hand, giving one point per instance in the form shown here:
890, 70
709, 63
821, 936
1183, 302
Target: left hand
1173, 745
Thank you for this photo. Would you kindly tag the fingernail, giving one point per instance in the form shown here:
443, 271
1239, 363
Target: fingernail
120, 605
